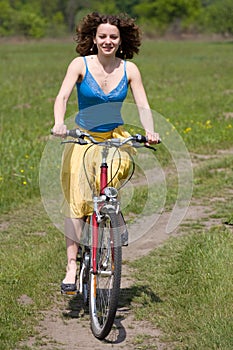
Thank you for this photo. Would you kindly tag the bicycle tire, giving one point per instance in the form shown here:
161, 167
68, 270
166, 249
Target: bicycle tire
105, 284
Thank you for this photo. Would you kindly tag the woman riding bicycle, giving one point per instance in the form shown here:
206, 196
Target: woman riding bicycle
102, 76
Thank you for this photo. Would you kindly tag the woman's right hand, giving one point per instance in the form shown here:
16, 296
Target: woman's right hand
59, 130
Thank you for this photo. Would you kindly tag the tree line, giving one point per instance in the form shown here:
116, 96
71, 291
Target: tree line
41, 18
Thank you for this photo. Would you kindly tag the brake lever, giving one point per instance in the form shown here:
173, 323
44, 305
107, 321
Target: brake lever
79, 142
150, 147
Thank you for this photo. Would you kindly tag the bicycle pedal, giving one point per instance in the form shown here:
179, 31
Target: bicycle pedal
75, 292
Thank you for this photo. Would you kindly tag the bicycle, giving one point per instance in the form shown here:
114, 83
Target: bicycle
100, 256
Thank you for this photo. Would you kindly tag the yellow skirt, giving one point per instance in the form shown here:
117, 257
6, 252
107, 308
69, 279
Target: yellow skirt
80, 176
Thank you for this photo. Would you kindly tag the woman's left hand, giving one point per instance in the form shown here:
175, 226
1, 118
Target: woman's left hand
153, 137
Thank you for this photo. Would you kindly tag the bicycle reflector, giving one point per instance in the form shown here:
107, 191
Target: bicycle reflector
110, 192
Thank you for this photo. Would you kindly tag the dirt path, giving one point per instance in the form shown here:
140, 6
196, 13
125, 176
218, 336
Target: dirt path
67, 327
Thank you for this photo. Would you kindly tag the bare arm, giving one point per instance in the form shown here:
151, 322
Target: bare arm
74, 71
141, 101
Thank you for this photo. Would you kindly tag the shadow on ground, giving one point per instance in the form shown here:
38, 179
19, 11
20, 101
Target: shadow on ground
77, 309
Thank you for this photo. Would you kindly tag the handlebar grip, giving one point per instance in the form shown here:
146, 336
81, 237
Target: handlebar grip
140, 138
74, 133
143, 139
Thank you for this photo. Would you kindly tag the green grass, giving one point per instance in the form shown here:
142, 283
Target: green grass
30, 78
32, 264
218, 171
192, 277
190, 84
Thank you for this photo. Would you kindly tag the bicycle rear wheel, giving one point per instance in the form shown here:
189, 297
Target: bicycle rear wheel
105, 284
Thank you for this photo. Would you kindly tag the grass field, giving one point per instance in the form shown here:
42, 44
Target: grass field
190, 84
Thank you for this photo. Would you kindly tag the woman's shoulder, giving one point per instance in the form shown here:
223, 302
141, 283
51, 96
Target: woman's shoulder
132, 69
132, 66
77, 61
77, 65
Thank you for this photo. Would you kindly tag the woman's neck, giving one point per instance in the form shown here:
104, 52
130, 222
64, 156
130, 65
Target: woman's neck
107, 62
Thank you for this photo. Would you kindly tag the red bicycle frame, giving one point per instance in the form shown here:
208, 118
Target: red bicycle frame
103, 184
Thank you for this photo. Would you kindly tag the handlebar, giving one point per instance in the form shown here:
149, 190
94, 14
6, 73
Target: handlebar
77, 133
115, 142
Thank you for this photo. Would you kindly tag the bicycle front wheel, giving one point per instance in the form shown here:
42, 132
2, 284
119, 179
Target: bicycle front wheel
105, 283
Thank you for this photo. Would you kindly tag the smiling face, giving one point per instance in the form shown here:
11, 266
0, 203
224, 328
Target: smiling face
107, 39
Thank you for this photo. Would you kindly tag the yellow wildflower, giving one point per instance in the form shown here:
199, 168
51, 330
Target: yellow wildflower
187, 130
208, 124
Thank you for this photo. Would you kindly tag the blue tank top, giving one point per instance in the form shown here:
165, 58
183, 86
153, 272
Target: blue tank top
98, 111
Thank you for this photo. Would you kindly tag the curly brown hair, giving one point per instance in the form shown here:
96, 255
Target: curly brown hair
129, 32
